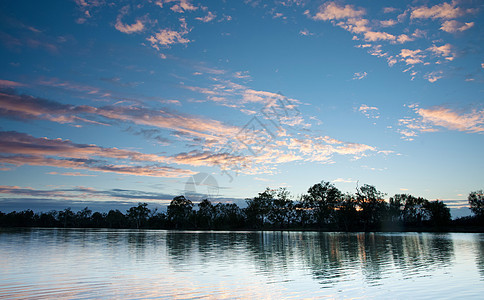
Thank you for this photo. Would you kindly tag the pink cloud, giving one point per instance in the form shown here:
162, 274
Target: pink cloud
440, 11
333, 11
454, 26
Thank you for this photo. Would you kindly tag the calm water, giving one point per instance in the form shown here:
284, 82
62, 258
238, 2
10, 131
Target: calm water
56, 263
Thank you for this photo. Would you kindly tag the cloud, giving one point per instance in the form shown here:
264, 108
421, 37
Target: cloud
31, 108
182, 6
440, 11
359, 75
81, 195
369, 111
168, 37
333, 11
70, 174
472, 122
429, 119
23, 149
388, 10
209, 17
138, 26
412, 57
305, 32
444, 51
242, 75
453, 26
388, 23
10, 84
342, 180
433, 76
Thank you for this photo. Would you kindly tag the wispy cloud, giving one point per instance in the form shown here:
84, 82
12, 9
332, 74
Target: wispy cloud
359, 75
138, 26
369, 111
433, 76
10, 84
208, 18
167, 37
430, 119
440, 11
22, 149
82, 194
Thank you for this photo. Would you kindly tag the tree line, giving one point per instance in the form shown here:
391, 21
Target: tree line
323, 207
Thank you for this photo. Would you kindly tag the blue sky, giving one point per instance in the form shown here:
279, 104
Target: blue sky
108, 103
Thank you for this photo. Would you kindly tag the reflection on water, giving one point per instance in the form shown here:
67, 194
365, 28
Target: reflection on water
93, 263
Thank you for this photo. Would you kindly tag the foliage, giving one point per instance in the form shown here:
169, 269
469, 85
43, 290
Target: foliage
324, 207
476, 202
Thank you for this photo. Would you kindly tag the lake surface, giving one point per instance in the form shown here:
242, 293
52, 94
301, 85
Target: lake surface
132, 264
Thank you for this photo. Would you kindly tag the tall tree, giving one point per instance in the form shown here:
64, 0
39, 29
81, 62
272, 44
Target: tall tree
322, 198
476, 202
138, 214
372, 205
179, 211
258, 208
438, 213
280, 208
205, 214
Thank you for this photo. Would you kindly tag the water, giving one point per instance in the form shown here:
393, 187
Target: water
132, 264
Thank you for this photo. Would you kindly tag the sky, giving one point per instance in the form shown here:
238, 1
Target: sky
109, 103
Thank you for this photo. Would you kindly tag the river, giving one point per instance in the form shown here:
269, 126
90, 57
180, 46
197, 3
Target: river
145, 264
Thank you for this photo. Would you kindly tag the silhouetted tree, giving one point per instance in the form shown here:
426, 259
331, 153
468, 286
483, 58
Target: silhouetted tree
476, 202
346, 213
116, 219
83, 217
98, 220
205, 214
438, 212
258, 208
322, 198
280, 208
66, 217
372, 205
158, 220
179, 211
138, 214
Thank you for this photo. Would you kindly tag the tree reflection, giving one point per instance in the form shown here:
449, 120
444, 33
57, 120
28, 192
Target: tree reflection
329, 257
480, 253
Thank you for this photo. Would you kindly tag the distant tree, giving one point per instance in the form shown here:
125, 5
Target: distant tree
48, 219
205, 214
116, 219
372, 205
179, 211
476, 202
66, 217
98, 220
322, 198
157, 220
138, 214
83, 217
228, 216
